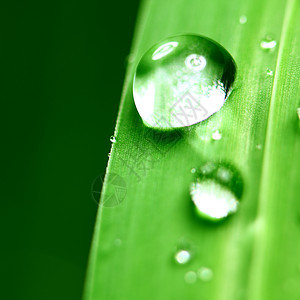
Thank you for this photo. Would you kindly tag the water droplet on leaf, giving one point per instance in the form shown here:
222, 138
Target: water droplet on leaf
243, 19
258, 146
269, 72
182, 81
113, 139
118, 242
193, 170
190, 277
216, 191
216, 136
205, 274
298, 112
182, 257
268, 43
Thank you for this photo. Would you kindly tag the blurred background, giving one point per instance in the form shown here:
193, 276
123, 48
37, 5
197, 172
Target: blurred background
63, 65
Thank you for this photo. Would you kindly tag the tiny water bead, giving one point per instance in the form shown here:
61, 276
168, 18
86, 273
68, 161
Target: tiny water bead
269, 72
216, 191
113, 139
268, 43
193, 170
216, 136
182, 81
182, 257
243, 19
298, 113
205, 274
190, 277
118, 242
184, 251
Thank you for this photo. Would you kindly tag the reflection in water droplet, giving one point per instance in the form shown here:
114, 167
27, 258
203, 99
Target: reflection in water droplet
164, 50
182, 81
113, 139
212, 200
268, 43
298, 112
269, 72
190, 277
216, 192
243, 19
205, 274
195, 62
216, 136
182, 257
224, 174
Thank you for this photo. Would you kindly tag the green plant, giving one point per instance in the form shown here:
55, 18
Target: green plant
255, 253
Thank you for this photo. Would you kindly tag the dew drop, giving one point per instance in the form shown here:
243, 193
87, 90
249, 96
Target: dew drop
216, 191
193, 170
182, 257
243, 19
109, 154
118, 242
113, 139
269, 72
182, 81
298, 112
268, 43
216, 136
258, 146
190, 277
205, 274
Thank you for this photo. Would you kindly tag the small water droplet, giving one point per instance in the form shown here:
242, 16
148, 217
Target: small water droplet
130, 58
193, 170
269, 72
182, 257
113, 139
258, 146
216, 136
109, 154
118, 242
182, 81
216, 192
268, 43
205, 274
190, 277
298, 112
243, 19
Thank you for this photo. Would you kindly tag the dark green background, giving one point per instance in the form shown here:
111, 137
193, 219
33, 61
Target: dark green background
63, 64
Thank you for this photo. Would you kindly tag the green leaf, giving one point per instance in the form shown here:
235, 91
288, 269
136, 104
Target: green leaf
254, 254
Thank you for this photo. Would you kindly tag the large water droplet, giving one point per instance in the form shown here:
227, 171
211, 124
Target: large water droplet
216, 191
268, 43
182, 81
